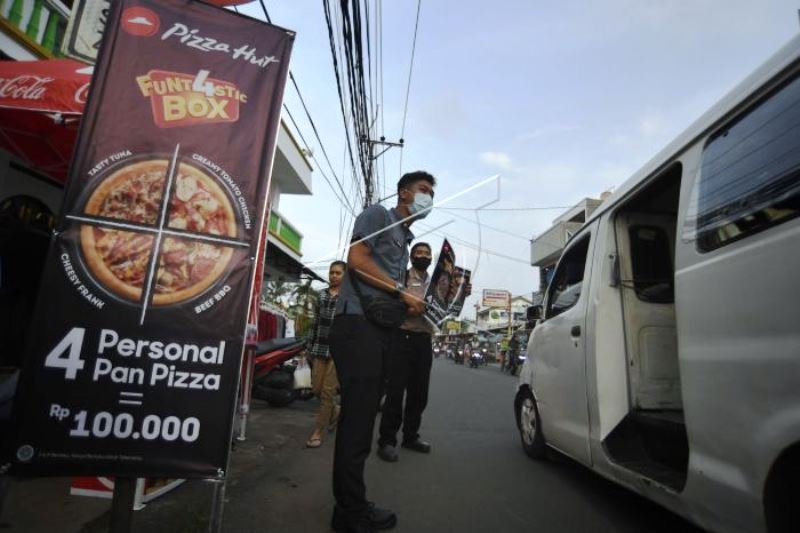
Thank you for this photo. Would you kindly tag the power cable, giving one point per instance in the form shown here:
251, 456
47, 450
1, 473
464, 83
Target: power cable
481, 249
331, 38
313, 126
343, 200
408, 85
493, 228
316, 133
547, 208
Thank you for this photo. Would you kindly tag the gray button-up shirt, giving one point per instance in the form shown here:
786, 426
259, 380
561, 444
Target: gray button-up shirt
389, 250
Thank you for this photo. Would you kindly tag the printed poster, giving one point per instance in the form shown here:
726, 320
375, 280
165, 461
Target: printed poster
137, 339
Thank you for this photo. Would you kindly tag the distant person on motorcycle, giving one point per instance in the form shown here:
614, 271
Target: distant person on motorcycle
323, 373
513, 354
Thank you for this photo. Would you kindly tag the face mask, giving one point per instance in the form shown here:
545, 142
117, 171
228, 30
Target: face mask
421, 205
421, 263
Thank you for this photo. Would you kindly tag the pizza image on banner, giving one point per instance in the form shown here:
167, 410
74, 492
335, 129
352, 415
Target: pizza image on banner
135, 193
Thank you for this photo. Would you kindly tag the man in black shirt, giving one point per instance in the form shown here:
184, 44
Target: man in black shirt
377, 260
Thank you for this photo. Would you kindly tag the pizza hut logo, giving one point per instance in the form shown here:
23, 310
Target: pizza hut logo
179, 99
140, 22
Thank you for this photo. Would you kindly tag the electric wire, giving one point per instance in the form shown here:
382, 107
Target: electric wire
342, 200
538, 208
408, 85
334, 56
493, 228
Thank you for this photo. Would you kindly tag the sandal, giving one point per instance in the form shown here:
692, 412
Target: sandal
315, 442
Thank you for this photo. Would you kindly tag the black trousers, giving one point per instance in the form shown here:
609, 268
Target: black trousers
358, 349
409, 360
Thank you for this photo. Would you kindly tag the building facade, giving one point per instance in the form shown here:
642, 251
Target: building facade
546, 248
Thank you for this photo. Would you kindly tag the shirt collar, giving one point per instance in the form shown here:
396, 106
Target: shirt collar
396, 216
412, 274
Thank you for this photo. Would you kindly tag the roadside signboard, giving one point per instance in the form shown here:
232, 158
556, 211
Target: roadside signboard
496, 298
85, 29
137, 338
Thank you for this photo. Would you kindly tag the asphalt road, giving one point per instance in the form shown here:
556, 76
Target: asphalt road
477, 478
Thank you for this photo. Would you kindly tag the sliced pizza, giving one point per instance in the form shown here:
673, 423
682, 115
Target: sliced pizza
200, 205
188, 267
118, 259
132, 193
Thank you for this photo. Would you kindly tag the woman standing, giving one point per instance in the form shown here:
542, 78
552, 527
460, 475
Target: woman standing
323, 372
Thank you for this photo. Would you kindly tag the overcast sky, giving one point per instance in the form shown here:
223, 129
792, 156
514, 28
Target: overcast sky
562, 99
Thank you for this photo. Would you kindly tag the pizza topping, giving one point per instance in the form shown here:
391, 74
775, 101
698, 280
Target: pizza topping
136, 198
124, 253
200, 206
184, 263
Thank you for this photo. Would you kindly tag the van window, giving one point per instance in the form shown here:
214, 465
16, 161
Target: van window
651, 259
750, 172
565, 289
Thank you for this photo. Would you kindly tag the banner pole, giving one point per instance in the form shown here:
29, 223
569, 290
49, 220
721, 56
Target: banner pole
217, 505
247, 390
122, 504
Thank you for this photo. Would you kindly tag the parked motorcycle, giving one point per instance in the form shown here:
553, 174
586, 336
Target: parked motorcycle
276, 362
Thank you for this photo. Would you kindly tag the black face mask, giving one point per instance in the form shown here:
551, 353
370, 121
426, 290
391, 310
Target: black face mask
421, 263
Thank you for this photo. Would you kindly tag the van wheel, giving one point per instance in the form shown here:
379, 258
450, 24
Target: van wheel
529, 424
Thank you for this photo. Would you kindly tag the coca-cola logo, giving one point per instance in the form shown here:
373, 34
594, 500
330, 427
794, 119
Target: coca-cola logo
82, 93
24, 87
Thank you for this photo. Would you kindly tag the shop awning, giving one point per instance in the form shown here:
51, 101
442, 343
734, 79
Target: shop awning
40, 107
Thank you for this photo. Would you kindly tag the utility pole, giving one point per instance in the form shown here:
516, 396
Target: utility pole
369, 181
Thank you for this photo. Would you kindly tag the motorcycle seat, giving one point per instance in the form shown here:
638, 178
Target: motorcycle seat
273, 345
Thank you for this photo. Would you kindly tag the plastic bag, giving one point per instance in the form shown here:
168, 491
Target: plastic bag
302, 375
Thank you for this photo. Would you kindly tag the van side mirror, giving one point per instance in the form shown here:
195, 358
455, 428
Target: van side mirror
533, 312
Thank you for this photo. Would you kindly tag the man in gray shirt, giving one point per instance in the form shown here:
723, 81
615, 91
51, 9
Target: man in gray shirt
377, 261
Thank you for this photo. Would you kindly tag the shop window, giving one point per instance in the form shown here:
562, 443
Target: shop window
565, 289
651, 257
750, 173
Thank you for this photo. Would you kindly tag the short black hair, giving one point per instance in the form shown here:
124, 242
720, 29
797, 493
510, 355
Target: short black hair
420, 245
338, 263
410, 178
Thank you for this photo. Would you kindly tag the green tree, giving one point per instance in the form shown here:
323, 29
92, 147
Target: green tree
276, 292
305, 300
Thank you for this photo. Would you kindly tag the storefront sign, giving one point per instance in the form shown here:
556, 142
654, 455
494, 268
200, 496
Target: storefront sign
496, 298
85, 29
137, 339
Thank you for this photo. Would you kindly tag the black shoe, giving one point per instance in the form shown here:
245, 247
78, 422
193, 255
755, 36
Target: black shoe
418, 445
376, 519
388, 453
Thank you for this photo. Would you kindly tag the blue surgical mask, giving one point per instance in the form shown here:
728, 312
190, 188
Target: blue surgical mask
421, 205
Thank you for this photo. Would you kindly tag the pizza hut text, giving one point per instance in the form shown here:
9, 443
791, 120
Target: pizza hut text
193, 39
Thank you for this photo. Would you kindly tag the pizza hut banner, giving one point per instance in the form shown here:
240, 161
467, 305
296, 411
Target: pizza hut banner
137, 339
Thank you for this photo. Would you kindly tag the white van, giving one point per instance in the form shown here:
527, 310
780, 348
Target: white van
668, 354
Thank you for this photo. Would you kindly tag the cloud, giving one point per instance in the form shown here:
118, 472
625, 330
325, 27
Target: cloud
499, 160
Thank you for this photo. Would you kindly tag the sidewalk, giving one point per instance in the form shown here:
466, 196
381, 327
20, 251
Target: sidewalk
276, 484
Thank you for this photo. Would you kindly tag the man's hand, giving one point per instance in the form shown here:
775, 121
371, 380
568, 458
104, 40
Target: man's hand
416, 306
